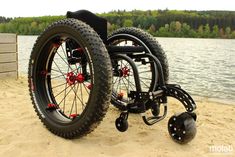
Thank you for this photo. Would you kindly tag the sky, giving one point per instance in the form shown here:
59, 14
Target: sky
29, 8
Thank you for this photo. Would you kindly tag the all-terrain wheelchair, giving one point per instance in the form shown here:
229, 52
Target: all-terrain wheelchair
76, 70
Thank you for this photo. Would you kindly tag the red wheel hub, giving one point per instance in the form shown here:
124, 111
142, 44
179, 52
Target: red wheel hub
72, 78
80, 78
125, 71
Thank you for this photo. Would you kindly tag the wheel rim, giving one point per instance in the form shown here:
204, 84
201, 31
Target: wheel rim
147, 75
123, 81
65, 85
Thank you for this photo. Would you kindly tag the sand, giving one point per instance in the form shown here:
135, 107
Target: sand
23, 135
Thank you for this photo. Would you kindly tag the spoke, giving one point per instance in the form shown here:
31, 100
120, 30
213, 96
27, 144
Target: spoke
65, 61
86, 88
121, 64
118, 83
76, 104
128, 85
145, 71
127, 88
144, 83
62, 72
116, 80
74, 100
64, 52
71, 49
124, 84
126, 64
61, 92
59, 85
59, 69
81, 93
138, 65
77, 96
145, 78
76, 68
65, 93
65, 97
57, 76
142, 78
131, 84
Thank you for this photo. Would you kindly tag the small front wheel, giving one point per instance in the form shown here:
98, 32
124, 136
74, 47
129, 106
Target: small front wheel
182, 128
121, 122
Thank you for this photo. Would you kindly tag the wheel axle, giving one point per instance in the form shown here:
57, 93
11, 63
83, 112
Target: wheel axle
72, 78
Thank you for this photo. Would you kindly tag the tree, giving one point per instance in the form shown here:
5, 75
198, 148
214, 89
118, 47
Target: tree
164, 31
127, 23
34, 24
233, 35
221, 33
167, 27
185, 30
2, 28
228, 32
207, 31
152, 29
172, 26
178, 26
111, 27
215, 31
200, 31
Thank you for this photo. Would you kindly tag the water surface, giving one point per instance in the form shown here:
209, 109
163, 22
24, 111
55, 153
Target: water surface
204, 67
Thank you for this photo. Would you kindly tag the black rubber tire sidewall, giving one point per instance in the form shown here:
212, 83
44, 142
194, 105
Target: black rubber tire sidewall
100, 95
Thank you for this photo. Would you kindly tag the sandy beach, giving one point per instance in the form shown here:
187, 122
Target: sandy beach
23, 135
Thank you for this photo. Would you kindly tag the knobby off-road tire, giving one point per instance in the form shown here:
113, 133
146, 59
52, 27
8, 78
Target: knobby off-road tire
48, 49
141, 38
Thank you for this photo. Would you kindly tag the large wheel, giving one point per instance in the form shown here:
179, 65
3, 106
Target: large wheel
70, 78
122, 84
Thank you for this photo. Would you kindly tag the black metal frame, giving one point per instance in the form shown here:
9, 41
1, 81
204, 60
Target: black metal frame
129, 53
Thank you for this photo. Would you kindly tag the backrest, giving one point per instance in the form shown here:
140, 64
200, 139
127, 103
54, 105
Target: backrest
97, 23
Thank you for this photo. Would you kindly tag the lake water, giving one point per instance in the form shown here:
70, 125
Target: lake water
203, 67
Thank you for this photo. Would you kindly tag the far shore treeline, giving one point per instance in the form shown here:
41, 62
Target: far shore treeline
162, 23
